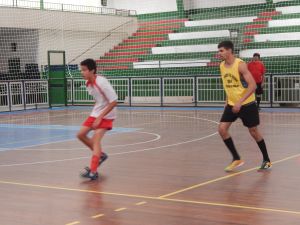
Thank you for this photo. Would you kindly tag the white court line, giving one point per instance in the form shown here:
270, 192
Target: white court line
128, 152
40, 139
189, 117
157, 137
294, 124
54, 142
47, 116
120, 153
196, 118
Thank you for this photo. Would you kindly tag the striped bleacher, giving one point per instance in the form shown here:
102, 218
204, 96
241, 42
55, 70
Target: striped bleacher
188, 46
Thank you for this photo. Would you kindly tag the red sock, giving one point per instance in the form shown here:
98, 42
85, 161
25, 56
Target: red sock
94, 163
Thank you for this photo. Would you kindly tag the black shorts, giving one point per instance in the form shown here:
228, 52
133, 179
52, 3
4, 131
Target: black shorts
248, 114
259, 89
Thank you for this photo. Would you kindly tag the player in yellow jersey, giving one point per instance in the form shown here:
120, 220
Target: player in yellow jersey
239, 86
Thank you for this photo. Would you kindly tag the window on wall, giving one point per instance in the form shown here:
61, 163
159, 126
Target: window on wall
104, 2
13, 47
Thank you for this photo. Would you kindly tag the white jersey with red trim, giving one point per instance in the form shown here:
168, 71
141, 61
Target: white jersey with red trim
103, 93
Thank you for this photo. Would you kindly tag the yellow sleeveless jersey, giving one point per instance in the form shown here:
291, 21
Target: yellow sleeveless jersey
233, 85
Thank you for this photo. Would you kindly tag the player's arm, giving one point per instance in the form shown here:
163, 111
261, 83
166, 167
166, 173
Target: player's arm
108, 108
111, 97
243, 70
249, 79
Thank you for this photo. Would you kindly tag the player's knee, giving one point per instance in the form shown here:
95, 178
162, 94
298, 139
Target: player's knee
222, 131
80, 135
254, 132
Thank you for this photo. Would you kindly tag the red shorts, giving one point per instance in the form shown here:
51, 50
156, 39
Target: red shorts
104, 124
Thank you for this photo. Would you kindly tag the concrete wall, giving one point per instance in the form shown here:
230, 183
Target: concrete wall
78, 45
39, 19
80, 35
144, 6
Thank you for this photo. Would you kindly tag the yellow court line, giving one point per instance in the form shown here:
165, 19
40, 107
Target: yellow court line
152, 198
73, 223
222, 178
163, 198
141, 203
76, 190
120, 209
233, 206
97, 216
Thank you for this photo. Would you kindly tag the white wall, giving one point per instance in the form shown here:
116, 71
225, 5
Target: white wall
234, 20
77, 45
198, 4
78, 34
288, 9
199, 35
289, 36
26, 41
144, 6
95, 3
271, 52
43, 19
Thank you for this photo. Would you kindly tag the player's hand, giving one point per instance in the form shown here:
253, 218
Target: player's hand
96, 123
236, 108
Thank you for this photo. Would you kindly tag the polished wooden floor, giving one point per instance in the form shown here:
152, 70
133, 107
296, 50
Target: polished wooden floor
165, 168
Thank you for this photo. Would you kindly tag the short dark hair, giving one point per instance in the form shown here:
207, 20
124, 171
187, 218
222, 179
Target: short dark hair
90, 64
256, 54
227, 45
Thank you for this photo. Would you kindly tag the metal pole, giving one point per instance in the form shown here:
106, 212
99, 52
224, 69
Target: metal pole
130, 91
271, 90
24, 94
41, 4
161, 92
9, 97
195, 91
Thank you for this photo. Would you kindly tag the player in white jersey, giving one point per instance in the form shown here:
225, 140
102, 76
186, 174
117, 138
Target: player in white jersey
102, 117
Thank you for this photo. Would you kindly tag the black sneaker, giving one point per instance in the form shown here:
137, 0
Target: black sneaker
265, 165
88, 174
103, 157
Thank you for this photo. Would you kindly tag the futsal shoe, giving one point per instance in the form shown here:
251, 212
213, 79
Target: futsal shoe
235, 164
103, 157
88, 174
265, 165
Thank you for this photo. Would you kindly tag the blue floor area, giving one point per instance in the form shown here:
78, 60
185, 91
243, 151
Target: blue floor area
20, 136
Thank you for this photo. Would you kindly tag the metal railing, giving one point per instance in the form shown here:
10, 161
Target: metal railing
279, 90
66, 7
193, 91
20, 95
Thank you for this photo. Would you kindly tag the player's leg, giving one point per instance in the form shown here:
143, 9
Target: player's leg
97, 148
91, 172
266, 164
259, 92
258, 100
250, 118
82, 136
227, 118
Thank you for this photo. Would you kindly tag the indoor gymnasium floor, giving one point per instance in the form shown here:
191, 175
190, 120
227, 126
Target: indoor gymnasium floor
166, 167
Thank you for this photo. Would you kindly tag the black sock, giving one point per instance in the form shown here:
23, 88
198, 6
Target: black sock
258, 99
262, 146
230, 145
